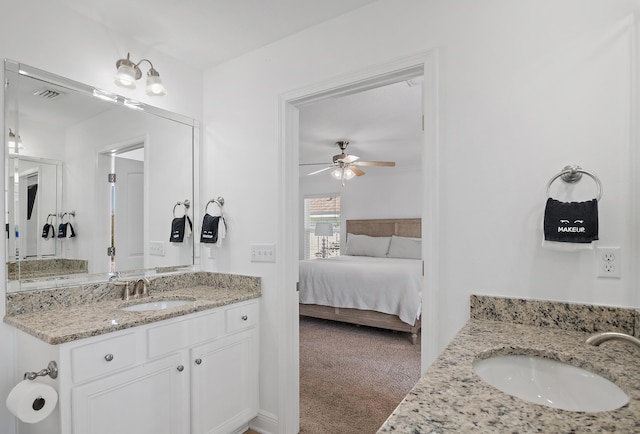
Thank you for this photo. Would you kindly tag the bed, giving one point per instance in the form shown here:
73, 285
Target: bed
367, 287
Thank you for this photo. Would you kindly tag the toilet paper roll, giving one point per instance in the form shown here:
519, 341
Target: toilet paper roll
31, 401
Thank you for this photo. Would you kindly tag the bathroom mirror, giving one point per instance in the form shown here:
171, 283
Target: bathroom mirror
93, 182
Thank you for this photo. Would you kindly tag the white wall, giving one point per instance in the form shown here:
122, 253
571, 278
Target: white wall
525, 89
50, 37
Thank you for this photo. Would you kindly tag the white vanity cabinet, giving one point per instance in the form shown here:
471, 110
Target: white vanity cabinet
229, 364
191, 374
148, 398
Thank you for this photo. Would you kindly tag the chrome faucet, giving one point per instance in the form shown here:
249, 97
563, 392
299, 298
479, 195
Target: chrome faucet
598, 338
141, 288
125, 289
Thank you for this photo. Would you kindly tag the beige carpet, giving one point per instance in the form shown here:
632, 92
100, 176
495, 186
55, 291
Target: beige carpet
352, 378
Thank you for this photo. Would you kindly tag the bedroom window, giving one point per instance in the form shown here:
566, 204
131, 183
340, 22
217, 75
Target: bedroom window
321, 209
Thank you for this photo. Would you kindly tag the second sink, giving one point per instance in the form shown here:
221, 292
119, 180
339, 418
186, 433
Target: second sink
551, 383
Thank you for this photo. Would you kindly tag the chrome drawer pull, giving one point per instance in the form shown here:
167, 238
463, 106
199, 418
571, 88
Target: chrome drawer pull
180, 368
198, 361
244, 317
108, 357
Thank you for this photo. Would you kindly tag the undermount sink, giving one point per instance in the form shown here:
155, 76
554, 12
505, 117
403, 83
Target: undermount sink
156, 305
551, 383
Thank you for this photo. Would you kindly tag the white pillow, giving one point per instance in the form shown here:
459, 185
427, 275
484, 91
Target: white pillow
405, 247
364, 245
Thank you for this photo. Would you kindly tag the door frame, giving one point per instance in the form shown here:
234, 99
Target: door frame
102, 214
425, 63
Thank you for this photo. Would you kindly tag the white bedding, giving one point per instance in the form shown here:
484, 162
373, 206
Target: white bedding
389, 285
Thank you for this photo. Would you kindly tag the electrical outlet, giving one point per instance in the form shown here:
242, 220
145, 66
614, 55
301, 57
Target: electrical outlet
263, 253
609, 262
156, 248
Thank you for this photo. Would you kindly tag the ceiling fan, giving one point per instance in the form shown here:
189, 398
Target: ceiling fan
345, 166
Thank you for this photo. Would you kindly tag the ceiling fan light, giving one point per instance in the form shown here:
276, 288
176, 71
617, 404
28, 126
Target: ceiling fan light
348, 173
337, 173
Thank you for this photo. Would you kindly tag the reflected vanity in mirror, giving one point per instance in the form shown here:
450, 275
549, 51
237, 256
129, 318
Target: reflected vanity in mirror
91, 182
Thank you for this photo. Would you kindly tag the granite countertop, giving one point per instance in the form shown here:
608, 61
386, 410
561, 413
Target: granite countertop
451, 398
68, 323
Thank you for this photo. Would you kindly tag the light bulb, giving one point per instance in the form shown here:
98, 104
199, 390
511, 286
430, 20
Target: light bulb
154, 84
337, 173
125, 76
348, 173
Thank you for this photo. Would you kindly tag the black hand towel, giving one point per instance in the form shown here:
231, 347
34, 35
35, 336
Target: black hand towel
178, 226
209, 229
571, 222
65, 230
62, 230
48, 229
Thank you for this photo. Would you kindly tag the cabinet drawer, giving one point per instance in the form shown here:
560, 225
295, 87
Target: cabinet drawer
176, 335
241, 317
99, 358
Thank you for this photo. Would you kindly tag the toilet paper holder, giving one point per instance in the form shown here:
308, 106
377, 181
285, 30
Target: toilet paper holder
51, 370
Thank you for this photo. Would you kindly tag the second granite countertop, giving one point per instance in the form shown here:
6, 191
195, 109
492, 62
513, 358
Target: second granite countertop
451, 398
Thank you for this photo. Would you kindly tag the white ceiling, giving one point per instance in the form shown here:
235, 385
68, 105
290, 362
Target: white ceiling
381, 124
204, 33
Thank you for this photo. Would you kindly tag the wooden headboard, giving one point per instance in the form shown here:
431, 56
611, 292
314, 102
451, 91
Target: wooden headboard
386, 227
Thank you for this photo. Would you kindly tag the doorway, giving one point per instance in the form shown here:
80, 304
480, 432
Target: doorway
383, 128
123, 168
420, 64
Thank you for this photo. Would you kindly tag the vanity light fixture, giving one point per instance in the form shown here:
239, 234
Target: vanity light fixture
129, 72
12, 141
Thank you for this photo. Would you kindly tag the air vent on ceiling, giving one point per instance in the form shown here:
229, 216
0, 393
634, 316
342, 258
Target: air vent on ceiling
47, 93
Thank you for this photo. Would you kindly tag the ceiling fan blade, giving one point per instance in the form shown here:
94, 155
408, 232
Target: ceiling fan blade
357, 171
324, 163
350, 159
321, 170
376, 163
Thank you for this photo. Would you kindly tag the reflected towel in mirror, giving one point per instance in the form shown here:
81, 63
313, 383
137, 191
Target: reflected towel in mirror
180, 227
65, 230
48, 231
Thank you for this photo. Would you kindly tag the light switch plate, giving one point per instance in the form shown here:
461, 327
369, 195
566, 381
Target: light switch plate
156, 248
263, 253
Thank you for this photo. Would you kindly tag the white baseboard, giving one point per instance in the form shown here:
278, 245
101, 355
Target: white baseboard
264, 423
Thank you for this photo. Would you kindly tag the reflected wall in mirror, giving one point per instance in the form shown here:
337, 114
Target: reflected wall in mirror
92, 180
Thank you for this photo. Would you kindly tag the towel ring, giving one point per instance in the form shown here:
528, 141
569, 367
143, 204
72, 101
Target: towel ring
186, 204
573, 174
68, 214
219, 201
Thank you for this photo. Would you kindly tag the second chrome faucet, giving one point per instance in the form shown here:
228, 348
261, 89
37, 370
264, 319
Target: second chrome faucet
598, 338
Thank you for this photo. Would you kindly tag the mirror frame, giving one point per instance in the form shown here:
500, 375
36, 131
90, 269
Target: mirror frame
13, 71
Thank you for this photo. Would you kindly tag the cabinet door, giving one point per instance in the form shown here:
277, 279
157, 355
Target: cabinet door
151, 398
224, 385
